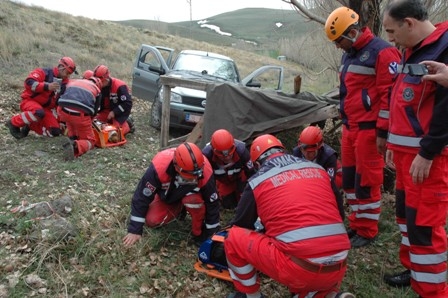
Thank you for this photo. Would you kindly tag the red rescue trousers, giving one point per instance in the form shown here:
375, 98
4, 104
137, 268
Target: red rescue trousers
161, 213
424, 243
248, 251
362, 176
40, 125
79, 128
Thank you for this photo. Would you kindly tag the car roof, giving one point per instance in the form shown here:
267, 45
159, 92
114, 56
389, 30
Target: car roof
204, 53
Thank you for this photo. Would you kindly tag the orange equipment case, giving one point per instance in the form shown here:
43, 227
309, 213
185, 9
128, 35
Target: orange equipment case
107, 135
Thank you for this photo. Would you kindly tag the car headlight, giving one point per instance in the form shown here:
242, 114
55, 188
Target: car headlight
174, 96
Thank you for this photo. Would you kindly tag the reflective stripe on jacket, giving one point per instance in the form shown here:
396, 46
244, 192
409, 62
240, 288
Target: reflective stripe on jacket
81, 95
297, 206
366, 77
418, 110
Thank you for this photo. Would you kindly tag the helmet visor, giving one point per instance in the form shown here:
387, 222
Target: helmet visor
309, 148
195, 174
225, 153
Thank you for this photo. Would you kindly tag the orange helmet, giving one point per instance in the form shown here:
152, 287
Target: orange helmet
68, 64
223, 143
87, 74
261, 145
311, 138
101, 71
189, 161
97, 81
338, 21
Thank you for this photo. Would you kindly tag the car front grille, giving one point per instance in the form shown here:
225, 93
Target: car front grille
193, 101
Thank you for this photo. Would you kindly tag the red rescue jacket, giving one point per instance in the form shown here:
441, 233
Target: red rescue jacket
418, 114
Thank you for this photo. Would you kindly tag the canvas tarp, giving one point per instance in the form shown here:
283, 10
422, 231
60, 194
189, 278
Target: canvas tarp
247, 112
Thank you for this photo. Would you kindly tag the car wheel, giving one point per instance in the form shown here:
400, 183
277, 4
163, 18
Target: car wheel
156, 114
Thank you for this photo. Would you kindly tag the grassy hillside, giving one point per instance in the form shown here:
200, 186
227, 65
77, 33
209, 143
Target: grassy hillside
250, 24
100, 184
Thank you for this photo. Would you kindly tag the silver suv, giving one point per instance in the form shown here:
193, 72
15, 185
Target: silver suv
187, 105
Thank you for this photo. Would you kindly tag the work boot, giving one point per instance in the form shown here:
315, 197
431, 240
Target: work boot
69, 149
359, 241
399, 280
14, 130
131, 124
25, 131
239, 295
351, 233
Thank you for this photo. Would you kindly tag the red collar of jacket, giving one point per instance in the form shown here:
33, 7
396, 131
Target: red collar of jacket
364, 38
441, 28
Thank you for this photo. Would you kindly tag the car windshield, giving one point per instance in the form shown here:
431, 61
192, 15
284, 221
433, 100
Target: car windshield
207, 65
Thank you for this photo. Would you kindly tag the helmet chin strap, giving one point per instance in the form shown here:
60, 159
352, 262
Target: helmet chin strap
354, 38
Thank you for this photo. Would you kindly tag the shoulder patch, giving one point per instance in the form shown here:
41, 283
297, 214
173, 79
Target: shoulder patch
393, 68
149, 189
364, 56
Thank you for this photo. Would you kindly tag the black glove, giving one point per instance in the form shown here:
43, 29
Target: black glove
210, 232
206, 233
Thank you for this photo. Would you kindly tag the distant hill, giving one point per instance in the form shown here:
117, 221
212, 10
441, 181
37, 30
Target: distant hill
258, 25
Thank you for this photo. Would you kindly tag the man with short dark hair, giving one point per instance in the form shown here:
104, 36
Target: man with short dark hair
417, 149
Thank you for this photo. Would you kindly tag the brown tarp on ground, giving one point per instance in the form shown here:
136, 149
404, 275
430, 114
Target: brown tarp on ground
247, 112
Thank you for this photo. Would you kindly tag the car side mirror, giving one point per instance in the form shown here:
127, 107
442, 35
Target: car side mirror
253, 84
159, 70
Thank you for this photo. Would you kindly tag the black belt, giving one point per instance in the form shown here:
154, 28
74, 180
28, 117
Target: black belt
367, 125
72, 113
319, 268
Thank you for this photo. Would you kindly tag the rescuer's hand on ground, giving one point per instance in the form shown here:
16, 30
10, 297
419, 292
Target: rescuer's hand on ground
130, 239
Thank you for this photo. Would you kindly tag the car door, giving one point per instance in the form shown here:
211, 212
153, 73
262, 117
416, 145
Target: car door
270, 75
151, 62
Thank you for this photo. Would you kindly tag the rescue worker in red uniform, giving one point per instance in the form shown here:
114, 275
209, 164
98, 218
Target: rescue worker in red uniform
311, 146
116, 101
366, 78
76, 108
305, 244
176, 178
42, 88
417, 149
231, 165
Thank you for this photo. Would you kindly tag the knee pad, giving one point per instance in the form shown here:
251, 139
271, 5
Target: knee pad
55, 131
39, 113
229, 201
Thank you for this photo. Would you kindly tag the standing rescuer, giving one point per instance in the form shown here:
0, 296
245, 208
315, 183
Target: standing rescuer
305, 244
417, 149
42, 89
366, 78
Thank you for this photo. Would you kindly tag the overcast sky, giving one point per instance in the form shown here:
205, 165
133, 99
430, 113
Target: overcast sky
162, 10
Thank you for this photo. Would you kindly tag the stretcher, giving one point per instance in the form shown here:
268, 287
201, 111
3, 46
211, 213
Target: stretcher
107, 135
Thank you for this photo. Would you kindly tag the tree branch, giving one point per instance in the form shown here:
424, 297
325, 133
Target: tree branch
302, 9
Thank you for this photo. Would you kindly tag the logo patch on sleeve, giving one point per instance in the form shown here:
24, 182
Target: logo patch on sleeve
149, 189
